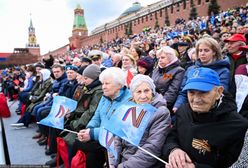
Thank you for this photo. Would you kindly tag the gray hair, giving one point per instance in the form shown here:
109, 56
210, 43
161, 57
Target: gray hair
139, 79
115, 73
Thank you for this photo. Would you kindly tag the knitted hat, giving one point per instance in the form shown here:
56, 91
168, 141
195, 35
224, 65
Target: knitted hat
139, 79
146, 62
92, 71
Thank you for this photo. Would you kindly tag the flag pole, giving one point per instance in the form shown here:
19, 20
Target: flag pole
153, 155
74, 132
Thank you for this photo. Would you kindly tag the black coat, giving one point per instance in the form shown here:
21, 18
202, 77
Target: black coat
69, 88
211, 139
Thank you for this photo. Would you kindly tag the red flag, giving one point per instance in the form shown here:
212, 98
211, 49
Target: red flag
129, 78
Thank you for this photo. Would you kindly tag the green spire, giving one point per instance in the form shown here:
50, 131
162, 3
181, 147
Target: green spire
79, 21
78, 6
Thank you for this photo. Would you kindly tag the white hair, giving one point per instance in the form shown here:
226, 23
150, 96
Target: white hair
115, 73
166, 49
139, 79
170, 54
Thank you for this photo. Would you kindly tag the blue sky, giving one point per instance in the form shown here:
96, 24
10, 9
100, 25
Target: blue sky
53, 20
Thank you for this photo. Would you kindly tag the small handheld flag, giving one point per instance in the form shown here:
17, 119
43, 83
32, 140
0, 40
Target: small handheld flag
106, 139
61, 106
129, 77
129, 121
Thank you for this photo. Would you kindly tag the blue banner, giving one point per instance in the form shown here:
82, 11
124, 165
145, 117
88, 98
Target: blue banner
61, 106
129, 121
106, 139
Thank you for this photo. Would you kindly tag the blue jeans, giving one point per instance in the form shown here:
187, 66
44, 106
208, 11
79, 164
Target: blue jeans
23, 98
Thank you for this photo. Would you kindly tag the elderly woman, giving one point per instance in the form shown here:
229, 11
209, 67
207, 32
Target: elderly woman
114, 94
168, 76
143, 91
208, 54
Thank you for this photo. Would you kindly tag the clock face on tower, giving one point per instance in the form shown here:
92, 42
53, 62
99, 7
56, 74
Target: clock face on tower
32, 39
31, 30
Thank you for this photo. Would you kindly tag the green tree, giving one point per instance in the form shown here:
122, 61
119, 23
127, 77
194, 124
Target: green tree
156, 26
101, 40
167, 20
130, 29
193, 12
126, 29
213, 7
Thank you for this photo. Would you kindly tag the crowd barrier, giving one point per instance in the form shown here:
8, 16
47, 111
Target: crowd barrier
4, 153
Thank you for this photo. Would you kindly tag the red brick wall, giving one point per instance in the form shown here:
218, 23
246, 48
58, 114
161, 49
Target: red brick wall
20, 59
58, 52
34, 51
178, 11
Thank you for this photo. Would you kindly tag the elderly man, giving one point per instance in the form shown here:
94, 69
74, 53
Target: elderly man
208, 131
236, 56
96, 57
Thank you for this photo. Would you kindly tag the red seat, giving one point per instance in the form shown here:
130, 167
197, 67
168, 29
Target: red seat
4, 109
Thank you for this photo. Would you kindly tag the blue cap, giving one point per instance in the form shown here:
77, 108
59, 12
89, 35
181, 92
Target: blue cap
202, 79
71, 67
17, 68
5, 72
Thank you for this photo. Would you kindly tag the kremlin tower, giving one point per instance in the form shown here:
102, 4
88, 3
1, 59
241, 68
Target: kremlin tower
79, 31
32, 45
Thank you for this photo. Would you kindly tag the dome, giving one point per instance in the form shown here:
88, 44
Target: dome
136, 7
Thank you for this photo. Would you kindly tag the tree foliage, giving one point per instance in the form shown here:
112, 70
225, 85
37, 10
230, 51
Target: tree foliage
213, 7
167, 20
193, 12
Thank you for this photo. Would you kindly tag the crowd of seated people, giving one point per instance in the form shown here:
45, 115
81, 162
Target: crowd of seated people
194, 73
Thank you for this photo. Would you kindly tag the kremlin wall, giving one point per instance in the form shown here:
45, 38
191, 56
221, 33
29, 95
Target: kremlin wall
147, 16
140, 17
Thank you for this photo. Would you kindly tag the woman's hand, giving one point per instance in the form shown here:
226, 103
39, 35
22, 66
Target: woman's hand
174, 109
179, 159
84, 135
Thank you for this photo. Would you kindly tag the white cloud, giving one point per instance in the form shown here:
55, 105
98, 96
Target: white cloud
53, 20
